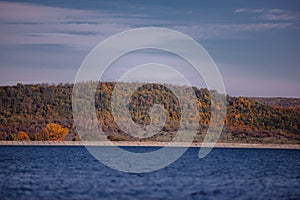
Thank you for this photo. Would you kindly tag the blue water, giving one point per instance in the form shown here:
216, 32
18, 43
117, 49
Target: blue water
72, 173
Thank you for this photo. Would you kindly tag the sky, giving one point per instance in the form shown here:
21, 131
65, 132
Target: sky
255, 44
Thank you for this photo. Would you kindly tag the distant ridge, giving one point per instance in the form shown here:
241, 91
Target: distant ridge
278, 101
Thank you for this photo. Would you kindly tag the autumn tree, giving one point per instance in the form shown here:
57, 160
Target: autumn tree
22, 136
54, 131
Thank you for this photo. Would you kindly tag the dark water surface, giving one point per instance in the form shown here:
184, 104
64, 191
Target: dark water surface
28, 172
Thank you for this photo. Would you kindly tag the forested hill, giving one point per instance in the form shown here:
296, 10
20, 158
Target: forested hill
30, 108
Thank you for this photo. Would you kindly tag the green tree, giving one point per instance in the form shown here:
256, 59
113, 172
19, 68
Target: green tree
12, 137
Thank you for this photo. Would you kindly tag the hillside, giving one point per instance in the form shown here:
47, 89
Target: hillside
30, 108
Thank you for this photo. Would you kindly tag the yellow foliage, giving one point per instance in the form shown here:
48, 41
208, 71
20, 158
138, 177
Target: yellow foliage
54, 131
200, 104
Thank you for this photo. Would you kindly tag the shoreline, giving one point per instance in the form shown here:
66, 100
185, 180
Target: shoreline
148, 144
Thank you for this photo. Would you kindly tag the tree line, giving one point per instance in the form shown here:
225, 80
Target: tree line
44, 112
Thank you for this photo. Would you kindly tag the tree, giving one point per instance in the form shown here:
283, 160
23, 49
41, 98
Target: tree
38, 137
3, 136
54, 131
12, 137
22, 136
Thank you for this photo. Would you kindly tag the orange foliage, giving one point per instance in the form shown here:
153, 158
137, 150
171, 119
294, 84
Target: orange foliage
21, 136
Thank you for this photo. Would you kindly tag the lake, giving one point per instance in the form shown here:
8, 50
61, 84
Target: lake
66, 172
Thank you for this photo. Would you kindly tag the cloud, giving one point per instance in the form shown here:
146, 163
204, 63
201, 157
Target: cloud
25, 24
279, 14
22, 23
258, 26
245, 10
228, 31
271, 14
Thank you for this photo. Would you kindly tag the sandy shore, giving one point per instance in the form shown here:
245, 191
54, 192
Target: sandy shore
156, 144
